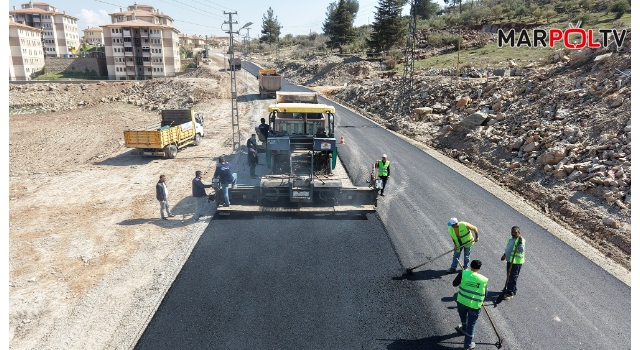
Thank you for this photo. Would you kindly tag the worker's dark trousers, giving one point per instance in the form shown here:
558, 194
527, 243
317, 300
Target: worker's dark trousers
384, 183
513, 279
468, 318
252, 169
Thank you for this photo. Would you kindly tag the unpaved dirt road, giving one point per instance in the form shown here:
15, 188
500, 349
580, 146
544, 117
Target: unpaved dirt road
89, 258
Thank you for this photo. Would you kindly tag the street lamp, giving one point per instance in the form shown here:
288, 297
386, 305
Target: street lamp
246, 25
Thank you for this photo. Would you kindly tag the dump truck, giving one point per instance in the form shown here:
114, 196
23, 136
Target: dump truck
301, 155
237, 63
177, 129
269, 82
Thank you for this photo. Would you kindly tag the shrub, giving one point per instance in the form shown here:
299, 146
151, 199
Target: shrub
620, 8
584, 17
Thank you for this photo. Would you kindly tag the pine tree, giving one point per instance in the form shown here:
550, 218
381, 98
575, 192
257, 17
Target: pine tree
270, 28
426, 9
352, 7
341, 29
387, 26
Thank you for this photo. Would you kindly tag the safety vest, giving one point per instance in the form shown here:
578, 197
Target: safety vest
383, 168
465, 235
518, 258
472, 289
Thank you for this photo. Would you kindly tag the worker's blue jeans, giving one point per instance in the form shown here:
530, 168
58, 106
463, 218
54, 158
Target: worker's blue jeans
456, 256
513, 279
468, 318
225, 189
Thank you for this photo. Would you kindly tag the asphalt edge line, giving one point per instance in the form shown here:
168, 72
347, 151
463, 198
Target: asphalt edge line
520, 205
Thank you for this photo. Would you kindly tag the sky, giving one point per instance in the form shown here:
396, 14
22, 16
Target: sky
204, 17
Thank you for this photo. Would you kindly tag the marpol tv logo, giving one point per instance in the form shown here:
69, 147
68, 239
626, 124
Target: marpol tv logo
581, 37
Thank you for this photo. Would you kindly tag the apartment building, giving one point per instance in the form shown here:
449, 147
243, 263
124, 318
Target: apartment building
198, 41
59, 30
25, 54
185, 40
93, 36
141, 43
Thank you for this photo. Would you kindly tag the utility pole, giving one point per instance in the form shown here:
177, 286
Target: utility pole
235, 124
404, 107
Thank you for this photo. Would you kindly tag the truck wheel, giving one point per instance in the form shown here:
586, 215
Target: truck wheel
196, 140
170, 151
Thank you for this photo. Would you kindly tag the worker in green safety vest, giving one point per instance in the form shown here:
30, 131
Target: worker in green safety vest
383, 171
472, 289
514, 254
460, 233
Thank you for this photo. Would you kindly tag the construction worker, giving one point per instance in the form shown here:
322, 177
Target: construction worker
251, 142
471, 293
264, 128
514, 254
383, 171
460, 233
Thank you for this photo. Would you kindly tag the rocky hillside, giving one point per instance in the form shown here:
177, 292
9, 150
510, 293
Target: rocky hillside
560, 135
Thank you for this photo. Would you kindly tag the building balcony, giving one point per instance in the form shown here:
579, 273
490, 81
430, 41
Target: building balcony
129, 63
128, 54
126, 32
146, 63
127, 44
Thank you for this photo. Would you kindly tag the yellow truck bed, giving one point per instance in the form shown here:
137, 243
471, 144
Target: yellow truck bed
176, 130
155, 136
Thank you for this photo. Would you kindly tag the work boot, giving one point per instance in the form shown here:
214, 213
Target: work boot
507, 297
452, 270
459, 329
472, 346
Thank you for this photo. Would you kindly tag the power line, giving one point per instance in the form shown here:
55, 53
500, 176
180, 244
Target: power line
193, 8
221, 9
109, 3
195, 24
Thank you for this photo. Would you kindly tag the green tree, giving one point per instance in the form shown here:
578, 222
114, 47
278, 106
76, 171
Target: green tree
387, 25
342, 31
620, 8
426, 9
352, 7
548, 14
270, 28
496, 12
521, 11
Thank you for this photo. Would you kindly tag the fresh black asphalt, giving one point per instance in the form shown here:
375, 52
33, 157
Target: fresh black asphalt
300, 283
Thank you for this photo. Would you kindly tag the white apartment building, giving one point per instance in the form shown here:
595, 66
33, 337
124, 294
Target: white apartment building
25, 54
141, 43
185, 40
93, 36
59, 30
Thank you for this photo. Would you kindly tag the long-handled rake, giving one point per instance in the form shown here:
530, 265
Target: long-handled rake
410, 270
499, 343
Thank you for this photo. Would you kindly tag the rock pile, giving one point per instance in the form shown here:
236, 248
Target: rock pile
327, 70
155, 94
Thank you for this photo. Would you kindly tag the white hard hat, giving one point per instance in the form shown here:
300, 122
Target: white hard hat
453, 221
384, 156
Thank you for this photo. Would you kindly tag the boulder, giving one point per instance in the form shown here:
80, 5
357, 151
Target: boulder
463, 102
422, 110
609, 222
474, 120
516, 144
553, 155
